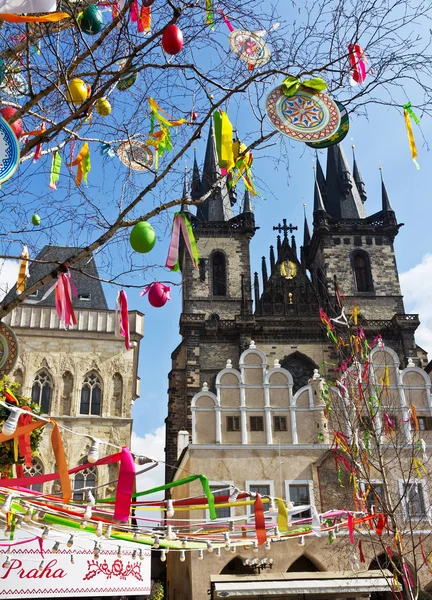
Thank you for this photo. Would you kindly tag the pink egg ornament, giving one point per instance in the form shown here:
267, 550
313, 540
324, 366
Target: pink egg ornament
158, 294
7, 112
172, 39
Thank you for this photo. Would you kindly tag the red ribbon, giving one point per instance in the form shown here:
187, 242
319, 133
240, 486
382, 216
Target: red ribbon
260, 521
125, 486
24, 440
134, 11
124, 318
144, 21
351, 528
63, 292
380, 524
358, 67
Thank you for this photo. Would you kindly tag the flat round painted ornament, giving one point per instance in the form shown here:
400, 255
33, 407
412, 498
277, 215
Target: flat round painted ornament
14, 86
250, 47
340, 134
9, 151
136, 155
304, 116
8, 349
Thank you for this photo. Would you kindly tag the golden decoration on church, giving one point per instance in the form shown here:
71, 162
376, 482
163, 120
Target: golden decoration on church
288, 269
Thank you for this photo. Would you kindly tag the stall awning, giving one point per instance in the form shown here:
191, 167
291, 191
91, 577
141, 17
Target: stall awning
268, 585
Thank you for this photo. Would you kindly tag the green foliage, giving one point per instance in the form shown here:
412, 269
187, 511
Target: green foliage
157, 592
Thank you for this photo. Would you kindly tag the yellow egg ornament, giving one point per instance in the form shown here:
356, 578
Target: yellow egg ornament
78, 91
103, 107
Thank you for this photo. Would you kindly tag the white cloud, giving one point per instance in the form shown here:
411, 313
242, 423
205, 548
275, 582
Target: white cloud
417, 290
152, 444
8, 275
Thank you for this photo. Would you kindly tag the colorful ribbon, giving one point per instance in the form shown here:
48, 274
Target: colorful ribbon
50, 18
242, 168
144, 21
125, 486
122, 317
358, 67
60, 456
291, 85
148, 287
419, 467
63, 293
226, 20
24, 445
38, 149
82, 161
223, 132
260, 521
55, 170
181, 223
23, 271
408, 112
282, 515
209, 14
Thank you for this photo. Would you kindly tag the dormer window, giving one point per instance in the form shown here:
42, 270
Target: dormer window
84, 297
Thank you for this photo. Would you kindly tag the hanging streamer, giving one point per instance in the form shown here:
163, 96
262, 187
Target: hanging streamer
55, 170
134, 11
419, 467
50, 18
122, 317
23, 271
181, 223
125, 486
144, 21
242, 168
226, 20
161, 140
408, 115
282, 515
38, 149
223, 132
356, 59
63, 293
82, 161
291, 85
62, 467
260, 521
209, 14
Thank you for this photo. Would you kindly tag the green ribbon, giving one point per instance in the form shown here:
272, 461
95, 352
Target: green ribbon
291, 85
209, 14
205, 486
411, 113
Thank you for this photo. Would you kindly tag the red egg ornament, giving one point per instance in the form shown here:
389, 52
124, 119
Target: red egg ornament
172, 39
7, 112
158, 294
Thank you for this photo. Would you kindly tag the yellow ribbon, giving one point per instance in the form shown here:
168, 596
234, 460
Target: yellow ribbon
419, 467
83, 163
291, 85
410, 135
282, 515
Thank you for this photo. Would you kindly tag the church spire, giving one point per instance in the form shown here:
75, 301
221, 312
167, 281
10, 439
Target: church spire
358, 178
319, 174
217, 206
306, 231
342, 197
196, 179
386, 206
247, 203
185, 196
318, 201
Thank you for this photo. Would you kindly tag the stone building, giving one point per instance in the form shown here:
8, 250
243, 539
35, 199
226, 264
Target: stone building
83, 377
245, 378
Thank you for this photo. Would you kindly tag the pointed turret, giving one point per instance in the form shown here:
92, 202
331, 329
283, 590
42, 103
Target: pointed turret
256, 290
343, 199
272, 259
306, 230
279, 246
318, 201
358, 179
217, 206
293, 245
320, 177
196, 180
386, 206
247, 204
185, 196
264, 270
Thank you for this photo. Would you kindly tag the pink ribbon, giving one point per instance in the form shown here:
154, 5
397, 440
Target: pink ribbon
64, 306
351, 528
124, 317
134, 13
225, 18
173, 250
125, 486
358, 67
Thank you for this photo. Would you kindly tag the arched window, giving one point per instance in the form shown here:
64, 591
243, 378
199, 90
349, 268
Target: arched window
362, 272
35, 469
84, 479
42, 391
219, 274
91, 395
301, 368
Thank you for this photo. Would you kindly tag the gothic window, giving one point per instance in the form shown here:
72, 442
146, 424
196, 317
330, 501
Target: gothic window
118, 394
301, 368
42, 391
66, 401
91, 395
219, 274
362, 272
84, 479
35, 469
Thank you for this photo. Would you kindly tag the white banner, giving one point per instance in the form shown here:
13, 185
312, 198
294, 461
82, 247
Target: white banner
24, 575
27, 6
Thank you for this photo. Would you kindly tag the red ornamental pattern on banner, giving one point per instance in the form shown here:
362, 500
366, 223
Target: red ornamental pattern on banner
304, 117
117, 569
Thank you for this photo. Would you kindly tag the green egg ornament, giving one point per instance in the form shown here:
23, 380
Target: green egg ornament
36, 219
91, 20
142, 237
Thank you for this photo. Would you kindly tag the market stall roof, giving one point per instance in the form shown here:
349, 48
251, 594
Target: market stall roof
333, 583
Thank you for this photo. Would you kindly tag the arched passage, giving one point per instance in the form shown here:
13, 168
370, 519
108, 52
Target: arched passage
303, 565
381, 562
236, 567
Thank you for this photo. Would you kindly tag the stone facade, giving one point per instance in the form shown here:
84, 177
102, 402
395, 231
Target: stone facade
66, 358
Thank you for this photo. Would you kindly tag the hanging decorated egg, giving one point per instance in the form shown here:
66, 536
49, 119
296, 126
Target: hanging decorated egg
91, 21
194, 115
36, 219
103, 107
126, 81
78, 91
7, 112
142, 237
158, 294
172, 39
147, 3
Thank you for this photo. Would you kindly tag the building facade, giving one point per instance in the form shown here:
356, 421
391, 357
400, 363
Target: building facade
82, 377
246, 376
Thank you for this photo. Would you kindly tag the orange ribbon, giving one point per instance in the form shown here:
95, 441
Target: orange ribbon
62, 467
50, 18
22, 431
260, 521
